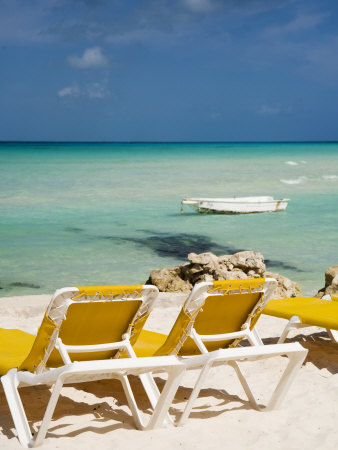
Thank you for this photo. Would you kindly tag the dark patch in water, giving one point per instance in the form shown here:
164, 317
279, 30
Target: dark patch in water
281, 265
177, 245
23, 284
74, 229
180, 244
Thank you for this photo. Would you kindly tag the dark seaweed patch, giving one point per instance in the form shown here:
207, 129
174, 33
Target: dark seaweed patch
177, 245
24, 284
74, 229
180, 244
281, 265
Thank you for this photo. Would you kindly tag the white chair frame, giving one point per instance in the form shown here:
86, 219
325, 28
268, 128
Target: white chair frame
74, 372
295, 352
89, 371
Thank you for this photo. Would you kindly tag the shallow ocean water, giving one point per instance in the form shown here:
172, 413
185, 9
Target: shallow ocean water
77, 214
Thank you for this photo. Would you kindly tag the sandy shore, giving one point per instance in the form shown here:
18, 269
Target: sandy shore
95, 414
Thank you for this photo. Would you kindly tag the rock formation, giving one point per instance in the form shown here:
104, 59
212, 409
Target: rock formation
331, 282
208, 267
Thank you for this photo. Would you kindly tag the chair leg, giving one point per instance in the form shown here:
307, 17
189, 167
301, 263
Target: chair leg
151, 388
194, 394
163, 400
245, 385
132, 402
295, 362
294, 320
10, 385
333, 335
160, 413
49, 412
147, 380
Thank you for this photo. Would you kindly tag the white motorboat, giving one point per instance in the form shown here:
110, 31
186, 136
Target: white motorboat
236, 205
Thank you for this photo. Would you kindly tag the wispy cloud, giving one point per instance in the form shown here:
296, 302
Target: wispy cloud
303, 22
22, 22
72, 91
74, 21
96, 90
295, 37
269, 110
92, 58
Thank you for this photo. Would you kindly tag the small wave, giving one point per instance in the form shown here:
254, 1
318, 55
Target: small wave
330, 177
291, 163
294, 181
304, 162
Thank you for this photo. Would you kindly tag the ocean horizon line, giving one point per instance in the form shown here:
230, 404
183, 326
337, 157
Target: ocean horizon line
166, 142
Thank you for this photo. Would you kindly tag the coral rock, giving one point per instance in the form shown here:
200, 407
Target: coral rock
286, 288
209, 267
331, 282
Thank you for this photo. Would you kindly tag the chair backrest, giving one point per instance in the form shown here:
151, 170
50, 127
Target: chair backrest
89, 315
218, 307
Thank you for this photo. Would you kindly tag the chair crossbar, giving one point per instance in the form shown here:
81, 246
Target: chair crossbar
94, 348
222, 337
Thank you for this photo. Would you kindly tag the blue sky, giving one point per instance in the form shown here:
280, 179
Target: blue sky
169, 70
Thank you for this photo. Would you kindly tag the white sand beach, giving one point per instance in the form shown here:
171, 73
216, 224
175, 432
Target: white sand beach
96, 414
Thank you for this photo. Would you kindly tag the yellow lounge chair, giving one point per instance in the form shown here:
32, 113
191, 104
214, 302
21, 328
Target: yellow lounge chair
82, 333
306, 312
212, 322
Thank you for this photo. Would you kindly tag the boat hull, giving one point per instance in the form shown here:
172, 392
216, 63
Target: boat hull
244, 205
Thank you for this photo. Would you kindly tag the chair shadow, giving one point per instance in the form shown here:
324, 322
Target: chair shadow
35, 400
204, 411
323, 353
182, 395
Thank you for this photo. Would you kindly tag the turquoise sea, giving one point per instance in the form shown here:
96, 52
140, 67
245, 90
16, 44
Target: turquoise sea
108, 213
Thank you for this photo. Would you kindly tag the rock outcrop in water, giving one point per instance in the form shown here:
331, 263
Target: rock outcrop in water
208, 267
331, 282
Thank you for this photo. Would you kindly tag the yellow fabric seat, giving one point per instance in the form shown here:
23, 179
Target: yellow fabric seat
310, 310
15, 345
306, 312
148, 343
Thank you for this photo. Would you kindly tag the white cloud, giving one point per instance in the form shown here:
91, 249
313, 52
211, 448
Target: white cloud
69, 91
267, 110
96, 90
92, 58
